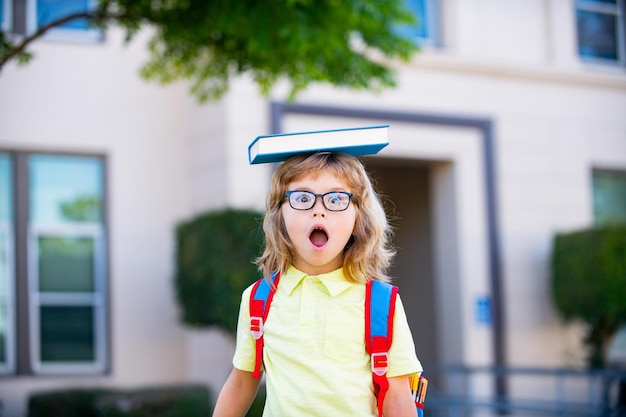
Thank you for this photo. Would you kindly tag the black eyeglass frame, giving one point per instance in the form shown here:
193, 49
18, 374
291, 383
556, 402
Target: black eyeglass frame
288, 194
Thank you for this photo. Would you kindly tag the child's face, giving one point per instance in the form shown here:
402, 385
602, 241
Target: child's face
318, 234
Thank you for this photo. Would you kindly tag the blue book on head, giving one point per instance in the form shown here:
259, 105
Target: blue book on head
355, 141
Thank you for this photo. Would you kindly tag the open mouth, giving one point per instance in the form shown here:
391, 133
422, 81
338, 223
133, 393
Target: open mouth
318, 237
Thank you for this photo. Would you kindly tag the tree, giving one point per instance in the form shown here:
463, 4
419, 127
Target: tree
344, 43
589, 283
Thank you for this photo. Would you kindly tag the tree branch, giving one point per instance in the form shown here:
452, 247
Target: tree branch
94, 16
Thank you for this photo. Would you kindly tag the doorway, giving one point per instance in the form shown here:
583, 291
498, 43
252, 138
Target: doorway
405, 190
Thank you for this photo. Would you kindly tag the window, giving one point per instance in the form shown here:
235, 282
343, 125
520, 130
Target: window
601, 35
609, 196
426, 30
5, 15
42, 12
59, 288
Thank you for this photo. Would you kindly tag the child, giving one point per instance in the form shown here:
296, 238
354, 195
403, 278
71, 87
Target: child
326, 233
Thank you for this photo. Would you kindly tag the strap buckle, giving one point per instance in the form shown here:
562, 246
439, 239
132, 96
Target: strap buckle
256, 326
380, 363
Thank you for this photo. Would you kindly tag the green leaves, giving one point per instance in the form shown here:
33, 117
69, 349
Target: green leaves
589, 281
300, 41
214, 264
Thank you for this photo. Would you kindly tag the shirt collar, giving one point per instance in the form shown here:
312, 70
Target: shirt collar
335, 281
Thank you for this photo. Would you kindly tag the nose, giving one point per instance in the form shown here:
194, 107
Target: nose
318, 208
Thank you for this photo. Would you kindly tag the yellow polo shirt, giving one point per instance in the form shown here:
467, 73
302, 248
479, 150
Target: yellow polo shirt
314, 355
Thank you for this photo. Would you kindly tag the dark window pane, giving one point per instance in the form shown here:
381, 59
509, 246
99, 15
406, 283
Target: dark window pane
50, 10
602, 1
66, 264
67, 334
609, 197
597, 35
3, 334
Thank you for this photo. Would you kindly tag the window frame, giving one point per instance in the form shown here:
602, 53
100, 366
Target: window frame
25, 301
619, 12
8, 301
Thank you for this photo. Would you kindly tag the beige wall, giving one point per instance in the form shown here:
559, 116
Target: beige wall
88, 98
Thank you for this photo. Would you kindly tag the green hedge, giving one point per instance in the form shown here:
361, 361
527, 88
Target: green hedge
589, 282
214, 264
66, 403
174, 401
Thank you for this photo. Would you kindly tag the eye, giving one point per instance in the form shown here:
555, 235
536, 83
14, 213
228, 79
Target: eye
303, 198
335, 198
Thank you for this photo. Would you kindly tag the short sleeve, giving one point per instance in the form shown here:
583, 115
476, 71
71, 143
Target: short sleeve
245, 348
402, 357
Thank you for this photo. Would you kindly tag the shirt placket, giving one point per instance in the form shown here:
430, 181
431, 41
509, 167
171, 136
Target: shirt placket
308, 326
307, 305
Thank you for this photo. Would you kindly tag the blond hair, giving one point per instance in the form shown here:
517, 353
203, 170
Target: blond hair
368, 253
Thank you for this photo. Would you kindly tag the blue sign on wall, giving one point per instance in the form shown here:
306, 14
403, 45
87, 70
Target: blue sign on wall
483, 310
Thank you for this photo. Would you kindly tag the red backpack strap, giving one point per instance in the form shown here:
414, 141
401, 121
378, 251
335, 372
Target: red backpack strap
380, 306
260, 302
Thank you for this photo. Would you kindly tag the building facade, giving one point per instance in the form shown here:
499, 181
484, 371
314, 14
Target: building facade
502, 128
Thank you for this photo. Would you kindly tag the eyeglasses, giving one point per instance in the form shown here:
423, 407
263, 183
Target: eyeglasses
305, 200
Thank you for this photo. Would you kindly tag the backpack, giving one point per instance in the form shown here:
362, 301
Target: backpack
380, 302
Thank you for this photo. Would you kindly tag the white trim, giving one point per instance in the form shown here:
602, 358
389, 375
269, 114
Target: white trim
95, 300
8, 300
610, 77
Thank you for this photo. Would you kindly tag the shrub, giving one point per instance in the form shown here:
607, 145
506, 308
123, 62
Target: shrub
589, 283
66, 403
214, 264
181, 401
175, 401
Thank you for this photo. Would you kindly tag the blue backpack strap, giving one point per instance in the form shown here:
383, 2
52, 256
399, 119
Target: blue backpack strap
380, 305
260, 302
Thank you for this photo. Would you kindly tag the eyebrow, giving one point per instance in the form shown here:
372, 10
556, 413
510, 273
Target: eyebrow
332, 190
